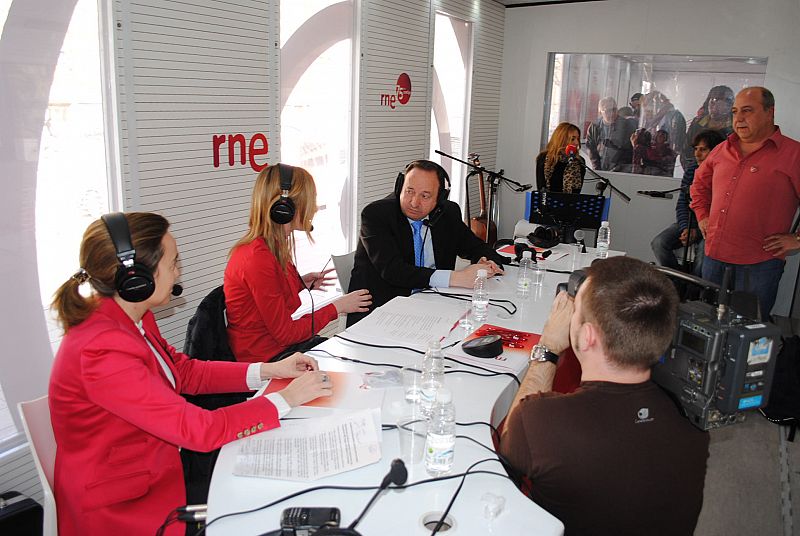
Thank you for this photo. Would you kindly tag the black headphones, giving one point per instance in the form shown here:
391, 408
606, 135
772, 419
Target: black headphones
283, 210
134, 282
544, 236
444, 186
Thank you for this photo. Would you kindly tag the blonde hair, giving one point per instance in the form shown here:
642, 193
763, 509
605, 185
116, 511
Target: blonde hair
266, 191
99, 265
558, 141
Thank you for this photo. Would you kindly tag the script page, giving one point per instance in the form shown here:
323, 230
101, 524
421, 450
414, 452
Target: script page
312, 448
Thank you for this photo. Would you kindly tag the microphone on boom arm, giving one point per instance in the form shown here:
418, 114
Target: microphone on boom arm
655, 193
571, 151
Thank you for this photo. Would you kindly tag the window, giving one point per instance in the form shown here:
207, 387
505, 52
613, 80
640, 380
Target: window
316, 124
71, 164
638, 113
452, 57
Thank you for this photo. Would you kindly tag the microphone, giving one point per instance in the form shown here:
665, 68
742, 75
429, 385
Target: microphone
571, 151
546, 253
655, 193
433, 217
177, 290
397, 475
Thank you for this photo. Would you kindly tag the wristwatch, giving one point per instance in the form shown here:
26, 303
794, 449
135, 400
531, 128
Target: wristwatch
540, 353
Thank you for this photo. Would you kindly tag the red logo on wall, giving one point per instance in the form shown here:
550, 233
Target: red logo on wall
403, 88
402, 92
240, 149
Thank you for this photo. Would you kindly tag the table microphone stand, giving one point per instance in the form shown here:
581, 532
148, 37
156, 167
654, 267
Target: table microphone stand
494, 179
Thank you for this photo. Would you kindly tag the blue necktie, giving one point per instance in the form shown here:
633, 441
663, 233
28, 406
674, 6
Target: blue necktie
419, 254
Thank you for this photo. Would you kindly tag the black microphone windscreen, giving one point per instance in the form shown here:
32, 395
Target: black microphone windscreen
177, 290
398, 473
546, 253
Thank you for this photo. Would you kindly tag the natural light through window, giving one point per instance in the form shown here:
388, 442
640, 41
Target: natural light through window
316, 116
71, 185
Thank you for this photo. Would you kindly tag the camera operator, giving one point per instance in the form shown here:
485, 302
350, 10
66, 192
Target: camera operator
608, 138
616, 456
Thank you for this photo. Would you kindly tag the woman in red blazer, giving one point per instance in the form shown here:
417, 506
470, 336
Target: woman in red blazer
262, 285
115, 386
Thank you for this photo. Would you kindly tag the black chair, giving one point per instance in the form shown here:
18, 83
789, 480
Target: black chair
207, 339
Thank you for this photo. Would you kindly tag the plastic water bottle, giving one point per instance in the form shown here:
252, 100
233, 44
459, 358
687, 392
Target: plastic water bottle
480, 297
603, 240
432, 377
524, 274
440, 442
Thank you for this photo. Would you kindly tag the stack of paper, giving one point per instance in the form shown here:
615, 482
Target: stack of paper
310, 449
410, 322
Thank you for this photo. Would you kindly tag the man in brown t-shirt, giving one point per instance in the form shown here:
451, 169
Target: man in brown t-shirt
616, 456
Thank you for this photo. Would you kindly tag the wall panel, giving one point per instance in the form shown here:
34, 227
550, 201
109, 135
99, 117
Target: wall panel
187, 71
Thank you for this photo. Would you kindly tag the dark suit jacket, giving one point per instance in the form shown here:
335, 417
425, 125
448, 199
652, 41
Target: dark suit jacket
384, 259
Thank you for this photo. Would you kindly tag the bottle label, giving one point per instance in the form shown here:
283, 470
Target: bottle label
439, 452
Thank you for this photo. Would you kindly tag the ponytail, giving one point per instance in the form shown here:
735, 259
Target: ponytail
70, 306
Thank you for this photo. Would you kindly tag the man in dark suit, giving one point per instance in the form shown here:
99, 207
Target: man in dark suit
410, 240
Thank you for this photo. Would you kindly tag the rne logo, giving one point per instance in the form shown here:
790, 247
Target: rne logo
402, 92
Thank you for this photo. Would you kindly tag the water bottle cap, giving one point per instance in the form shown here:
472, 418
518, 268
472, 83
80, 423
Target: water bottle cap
444, 396
526, 254
482, 273
434, 344
604, 224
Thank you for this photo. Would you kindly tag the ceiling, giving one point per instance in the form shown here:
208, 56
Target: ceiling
523, 3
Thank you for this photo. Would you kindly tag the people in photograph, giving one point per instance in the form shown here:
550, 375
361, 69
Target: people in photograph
658, 113
608, 138
262, 284
556, 171
118, 416
410, 240
681, 233
636, 104
745, 195
652, 155
616, 456
715, 114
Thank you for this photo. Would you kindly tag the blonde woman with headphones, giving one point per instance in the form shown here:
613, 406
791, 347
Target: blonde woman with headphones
262, 284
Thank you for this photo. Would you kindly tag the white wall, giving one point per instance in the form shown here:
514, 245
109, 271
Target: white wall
721, 27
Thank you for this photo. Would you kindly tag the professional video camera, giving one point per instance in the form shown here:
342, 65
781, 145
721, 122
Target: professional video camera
721, 362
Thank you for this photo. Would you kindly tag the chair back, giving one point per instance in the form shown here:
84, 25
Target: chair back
207, 332
344, 267
39, 431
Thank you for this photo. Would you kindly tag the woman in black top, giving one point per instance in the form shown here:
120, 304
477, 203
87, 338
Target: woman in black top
555, 170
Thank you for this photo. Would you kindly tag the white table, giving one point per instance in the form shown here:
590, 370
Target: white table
401, 512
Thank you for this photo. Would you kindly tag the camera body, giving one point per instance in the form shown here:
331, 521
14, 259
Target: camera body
718, 368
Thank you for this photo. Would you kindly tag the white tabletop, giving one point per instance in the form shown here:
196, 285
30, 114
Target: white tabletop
401, 512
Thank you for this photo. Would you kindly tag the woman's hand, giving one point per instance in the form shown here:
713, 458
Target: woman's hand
319, 280
311, 385
357, 301
293, 366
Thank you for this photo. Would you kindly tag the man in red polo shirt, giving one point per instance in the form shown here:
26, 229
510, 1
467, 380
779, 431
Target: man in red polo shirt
745, 195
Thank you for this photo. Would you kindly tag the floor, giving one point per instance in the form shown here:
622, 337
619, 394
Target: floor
744, 484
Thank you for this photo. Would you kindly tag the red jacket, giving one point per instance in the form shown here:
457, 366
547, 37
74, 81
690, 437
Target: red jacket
260, 299
118, 423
